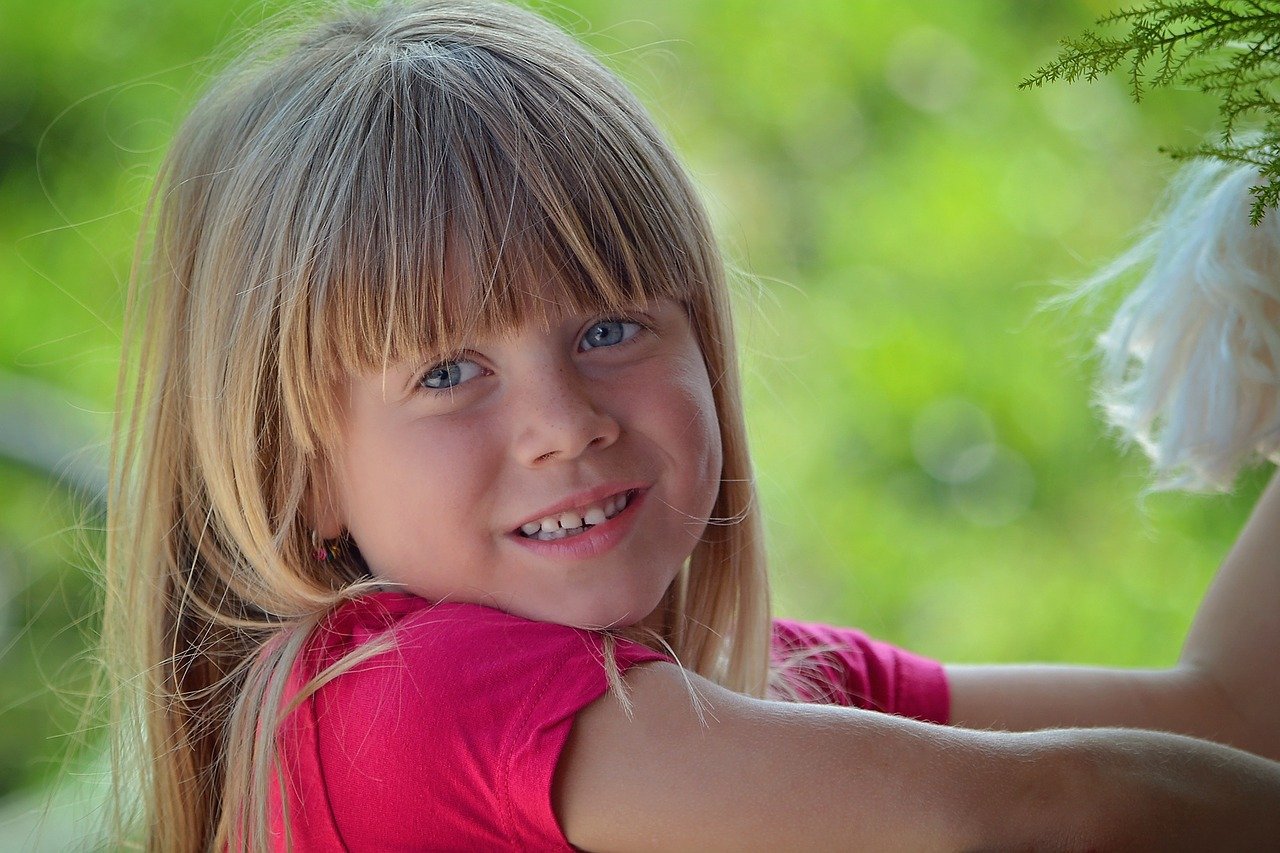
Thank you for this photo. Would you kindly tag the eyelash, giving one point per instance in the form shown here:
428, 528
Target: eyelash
643, 327
462, 356
419, 383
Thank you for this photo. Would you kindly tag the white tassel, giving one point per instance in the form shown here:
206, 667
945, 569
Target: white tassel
1190, 359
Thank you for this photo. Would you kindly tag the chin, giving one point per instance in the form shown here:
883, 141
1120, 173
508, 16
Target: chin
617, 613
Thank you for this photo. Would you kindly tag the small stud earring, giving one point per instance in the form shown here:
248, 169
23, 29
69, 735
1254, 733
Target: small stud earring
325, 551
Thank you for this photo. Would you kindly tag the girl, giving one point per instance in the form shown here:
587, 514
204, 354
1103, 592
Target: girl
433, 524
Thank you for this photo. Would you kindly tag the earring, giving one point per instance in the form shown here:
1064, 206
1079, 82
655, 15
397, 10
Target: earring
325, 551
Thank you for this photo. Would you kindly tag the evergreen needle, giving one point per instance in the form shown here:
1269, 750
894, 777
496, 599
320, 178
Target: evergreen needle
1229, 49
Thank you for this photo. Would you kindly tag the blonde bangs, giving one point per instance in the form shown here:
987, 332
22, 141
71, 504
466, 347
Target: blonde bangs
476, 202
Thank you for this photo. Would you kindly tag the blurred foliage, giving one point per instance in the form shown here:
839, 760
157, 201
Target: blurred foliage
930, 465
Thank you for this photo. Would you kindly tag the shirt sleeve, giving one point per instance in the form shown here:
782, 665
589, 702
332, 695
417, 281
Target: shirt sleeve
842, 666
451, 739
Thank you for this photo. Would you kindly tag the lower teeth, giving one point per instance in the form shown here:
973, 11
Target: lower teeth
545, 536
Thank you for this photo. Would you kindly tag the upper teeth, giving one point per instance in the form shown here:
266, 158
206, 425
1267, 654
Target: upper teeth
553, 526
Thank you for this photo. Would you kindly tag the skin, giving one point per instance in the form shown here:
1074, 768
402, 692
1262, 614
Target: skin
434, 482
760, 775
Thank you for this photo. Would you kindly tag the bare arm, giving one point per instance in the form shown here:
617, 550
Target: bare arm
1235, 638
768, 775
1225, 687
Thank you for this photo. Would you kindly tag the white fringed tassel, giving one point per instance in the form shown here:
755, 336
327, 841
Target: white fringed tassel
1190, 359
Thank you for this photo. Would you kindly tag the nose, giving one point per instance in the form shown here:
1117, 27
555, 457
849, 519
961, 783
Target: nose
561, 419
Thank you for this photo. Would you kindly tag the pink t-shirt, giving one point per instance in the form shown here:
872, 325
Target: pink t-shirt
450, 740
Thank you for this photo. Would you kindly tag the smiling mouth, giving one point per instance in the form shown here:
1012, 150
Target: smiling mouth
575, 522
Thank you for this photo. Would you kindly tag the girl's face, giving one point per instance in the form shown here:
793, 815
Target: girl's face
563, 472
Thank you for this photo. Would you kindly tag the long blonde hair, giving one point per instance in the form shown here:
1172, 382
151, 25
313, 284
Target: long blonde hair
304, 222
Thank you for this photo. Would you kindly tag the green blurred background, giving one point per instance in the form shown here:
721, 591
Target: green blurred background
931, 467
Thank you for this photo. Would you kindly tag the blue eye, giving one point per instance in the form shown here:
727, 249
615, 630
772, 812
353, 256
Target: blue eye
608, 333
449, 374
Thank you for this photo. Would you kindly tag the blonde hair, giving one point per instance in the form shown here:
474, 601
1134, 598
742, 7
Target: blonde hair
386, 179
1191, 359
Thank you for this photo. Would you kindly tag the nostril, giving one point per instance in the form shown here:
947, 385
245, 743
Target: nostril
567, 437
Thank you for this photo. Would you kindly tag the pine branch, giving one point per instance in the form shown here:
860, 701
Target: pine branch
1228, 49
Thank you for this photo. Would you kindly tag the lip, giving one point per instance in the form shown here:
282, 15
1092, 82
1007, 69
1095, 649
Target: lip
574, 501
596, 540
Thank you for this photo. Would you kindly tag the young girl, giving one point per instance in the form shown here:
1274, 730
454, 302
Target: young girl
433, 523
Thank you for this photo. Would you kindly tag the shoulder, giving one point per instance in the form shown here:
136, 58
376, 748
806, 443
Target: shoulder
844, 666
457, 716
449, 649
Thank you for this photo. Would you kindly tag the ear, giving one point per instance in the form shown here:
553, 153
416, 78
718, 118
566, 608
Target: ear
324, 509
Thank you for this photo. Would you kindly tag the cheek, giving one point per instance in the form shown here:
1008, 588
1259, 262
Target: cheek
404, 489
698, 427
709, 425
